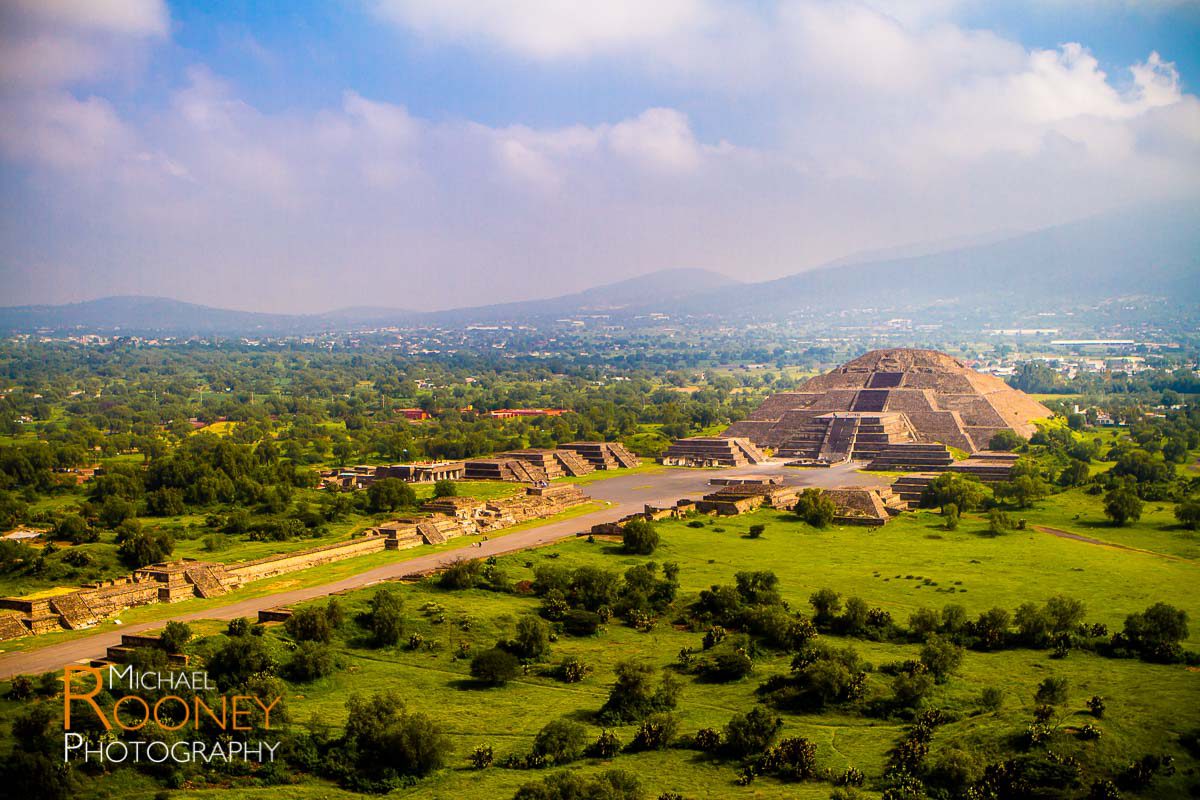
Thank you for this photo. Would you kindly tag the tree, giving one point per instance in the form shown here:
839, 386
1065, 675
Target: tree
950, 516
165, 502
1075, 473
74, 529
174, 636
384, 619
639, 537
1122, 506
385, 742
309, 625
815, 507
910, 686
998, 522
390, 494
965, 491
239, 660
941, 657
532, 642
495, 667
826, 604
310, 661
445, 488
560, 741
115, 510
1188, 514
1022, 490
634, 695
1157, 631
146, 547
1005, 439
750, 733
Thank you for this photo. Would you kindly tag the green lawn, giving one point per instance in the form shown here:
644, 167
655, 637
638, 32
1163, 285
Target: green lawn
908, 564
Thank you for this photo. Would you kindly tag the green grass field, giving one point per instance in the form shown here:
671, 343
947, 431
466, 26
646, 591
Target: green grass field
908, 564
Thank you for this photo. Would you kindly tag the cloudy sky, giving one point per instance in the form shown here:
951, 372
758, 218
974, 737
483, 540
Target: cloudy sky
439, 153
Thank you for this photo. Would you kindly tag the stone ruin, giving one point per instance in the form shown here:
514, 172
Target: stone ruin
882, 404
712, 451
173, 581
513, 470
604, 455
555, 463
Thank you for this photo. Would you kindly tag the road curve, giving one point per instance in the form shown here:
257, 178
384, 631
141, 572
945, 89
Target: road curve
626, 493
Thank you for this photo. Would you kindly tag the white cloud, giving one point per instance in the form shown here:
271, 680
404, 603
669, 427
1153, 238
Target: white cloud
128, 17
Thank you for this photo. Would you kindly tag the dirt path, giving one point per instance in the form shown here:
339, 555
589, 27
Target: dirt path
626, 493
1089, 540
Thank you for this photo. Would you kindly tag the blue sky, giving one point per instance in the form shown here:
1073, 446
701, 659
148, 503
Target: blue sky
418, 153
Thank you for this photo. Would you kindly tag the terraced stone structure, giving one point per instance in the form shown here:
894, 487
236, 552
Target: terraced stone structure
513, 470
885, 399
712, 451
604, 455
555, 463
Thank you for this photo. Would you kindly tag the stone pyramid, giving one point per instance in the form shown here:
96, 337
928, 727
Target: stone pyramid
901, 395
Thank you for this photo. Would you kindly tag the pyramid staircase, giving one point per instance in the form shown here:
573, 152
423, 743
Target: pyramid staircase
909, 488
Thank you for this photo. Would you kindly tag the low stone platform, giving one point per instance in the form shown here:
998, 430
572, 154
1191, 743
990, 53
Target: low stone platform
712, 451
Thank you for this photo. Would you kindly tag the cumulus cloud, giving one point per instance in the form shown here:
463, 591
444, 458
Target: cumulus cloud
874, 123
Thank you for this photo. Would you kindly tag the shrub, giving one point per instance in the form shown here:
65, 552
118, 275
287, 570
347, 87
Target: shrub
607, 745
482, 756
655, 733
950, 516
579, 622
311, 624
462, 574
560, 741
991, 698
1096, 706
174, 636
146, 547
239, 626
1122, 506
74, 528
445, 488
532, 642
639, 537
385, 619
495, 667
634, 695
815, 507
310, 661
1188, 514
750, 733
385, 743
794, 759
756, 531
572, 670
941, 657
610, 785
1052, 691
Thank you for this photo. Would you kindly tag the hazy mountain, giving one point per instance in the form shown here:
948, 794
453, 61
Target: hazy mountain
1148, 252
1151, 251
141, 315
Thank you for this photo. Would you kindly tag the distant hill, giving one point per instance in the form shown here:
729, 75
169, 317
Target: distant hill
1151, 251
141, 315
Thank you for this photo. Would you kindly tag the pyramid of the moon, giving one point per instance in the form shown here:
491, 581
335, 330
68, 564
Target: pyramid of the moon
890, 397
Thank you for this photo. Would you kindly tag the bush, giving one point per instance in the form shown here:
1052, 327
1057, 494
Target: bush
950, 516
639, 537
532, 642
239, 626
815, 507
941, 657
482, 756
560, 741
146, 547
751, 733
1052, 691
309, 625
445, 488
991, 698
579, 622
384, 743
462, 574
756, 531
795, 759
74, 529
610, 785
1188, 514
174, 636
572, 670
655, 733
496, 667
607, 745
385, 619
634, 695
310, 661
1122, 506
1156, 633
390, 494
